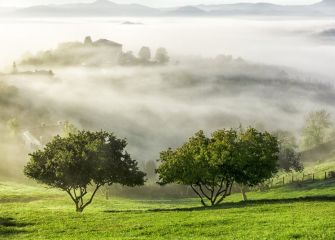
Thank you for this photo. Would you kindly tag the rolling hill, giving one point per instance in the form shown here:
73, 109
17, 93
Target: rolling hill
105, 8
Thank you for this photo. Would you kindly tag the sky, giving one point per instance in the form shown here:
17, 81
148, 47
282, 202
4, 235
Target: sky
152, 3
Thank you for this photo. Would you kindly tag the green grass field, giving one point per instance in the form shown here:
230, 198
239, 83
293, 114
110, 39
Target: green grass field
28, 212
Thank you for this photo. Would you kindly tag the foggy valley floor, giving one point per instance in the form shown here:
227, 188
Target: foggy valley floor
283, 213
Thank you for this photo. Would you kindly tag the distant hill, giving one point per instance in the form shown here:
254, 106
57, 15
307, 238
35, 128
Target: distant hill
326, 7
321, 8
98, 8
105, 8
186, 11
326, 3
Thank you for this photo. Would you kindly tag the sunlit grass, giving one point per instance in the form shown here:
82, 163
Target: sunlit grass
49, 214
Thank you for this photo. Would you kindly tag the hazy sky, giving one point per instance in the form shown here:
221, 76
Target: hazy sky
153, 3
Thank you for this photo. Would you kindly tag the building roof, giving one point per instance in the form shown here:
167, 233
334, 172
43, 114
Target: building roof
105, 42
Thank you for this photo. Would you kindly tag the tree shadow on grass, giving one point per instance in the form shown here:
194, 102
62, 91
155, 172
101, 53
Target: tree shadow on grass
9, 226
230, 205
20, 200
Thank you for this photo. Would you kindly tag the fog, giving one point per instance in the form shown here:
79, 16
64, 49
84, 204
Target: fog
286, 71
278, 41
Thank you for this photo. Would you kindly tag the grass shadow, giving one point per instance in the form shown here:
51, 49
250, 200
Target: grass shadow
9, 226
229, 205
19, 199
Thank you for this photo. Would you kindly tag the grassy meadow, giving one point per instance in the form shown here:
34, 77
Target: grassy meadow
296, 211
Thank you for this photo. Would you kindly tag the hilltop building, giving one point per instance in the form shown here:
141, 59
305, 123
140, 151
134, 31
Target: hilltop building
109, 50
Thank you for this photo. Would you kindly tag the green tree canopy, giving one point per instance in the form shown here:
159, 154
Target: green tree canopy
211, 165
82, 160
191, 165
258, 157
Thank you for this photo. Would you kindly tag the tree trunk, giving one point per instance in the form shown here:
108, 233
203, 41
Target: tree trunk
244, 195
79, 210
107, 194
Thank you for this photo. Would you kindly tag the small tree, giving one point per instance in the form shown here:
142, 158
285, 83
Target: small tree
145, 54
13, 126
211, 165
82, 160
290, 160
88, 41
128, 58
191, 165
315, 128
68, 128
162, 56
150, 170
289, 157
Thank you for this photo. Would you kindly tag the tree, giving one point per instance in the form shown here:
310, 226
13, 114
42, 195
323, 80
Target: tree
162, 56
14, 70
13, 126
315, 129
257, 159
68, 128
88, 41
290, 160
150, 169
191, 165
128, 58
211, 165
225, 152
145, 54
82, 160
289, 157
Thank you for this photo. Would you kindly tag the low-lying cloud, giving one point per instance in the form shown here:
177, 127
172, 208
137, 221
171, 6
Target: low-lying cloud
156, 107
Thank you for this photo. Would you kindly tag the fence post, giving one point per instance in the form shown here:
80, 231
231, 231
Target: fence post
283, 180
313, 177
325, 175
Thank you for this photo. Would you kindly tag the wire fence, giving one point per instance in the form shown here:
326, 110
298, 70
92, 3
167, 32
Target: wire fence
302, 177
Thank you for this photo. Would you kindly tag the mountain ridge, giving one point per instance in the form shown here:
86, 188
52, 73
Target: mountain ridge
106, 8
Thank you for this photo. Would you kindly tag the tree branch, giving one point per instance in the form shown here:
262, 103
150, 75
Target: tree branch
227, 189
231, 186
75, 194
218, 191
199, 185
91, 199
208, 188
69, 192
202, 200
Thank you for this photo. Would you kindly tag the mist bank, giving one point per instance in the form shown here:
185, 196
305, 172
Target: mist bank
272, 73
294, 43
160, 107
